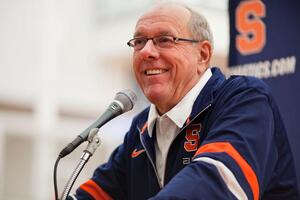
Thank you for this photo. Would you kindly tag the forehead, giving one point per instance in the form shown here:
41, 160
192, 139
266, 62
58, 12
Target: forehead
163, 20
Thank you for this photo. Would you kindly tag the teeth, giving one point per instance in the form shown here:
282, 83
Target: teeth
154, 71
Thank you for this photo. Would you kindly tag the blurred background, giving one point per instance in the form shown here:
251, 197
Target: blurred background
61, 63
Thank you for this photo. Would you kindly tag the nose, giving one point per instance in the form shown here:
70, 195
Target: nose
149, 51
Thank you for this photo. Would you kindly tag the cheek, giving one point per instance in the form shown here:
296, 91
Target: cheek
136, 61
135, 65
136, 70
184, 61
191, 58
137, 74
187, 68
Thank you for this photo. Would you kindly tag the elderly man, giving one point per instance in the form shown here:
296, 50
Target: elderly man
204, 136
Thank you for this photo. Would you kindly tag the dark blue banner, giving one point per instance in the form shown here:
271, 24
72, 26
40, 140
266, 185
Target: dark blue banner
264, 42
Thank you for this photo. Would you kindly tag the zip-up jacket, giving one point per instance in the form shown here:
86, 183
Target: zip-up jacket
233, 146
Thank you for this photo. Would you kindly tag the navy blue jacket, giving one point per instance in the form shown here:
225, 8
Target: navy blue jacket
233, 146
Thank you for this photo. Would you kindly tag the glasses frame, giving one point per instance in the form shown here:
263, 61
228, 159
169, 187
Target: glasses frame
130, 43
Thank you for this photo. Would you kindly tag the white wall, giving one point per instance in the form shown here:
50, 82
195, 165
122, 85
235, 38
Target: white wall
61, 62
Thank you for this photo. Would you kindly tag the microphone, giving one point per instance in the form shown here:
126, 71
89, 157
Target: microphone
123, 102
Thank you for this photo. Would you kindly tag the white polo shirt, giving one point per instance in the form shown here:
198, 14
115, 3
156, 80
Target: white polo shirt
169, 124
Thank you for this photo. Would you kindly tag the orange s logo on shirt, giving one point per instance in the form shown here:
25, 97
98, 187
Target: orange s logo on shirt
192, 137
252, 37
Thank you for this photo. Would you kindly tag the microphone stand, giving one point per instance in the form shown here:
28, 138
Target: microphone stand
94, 143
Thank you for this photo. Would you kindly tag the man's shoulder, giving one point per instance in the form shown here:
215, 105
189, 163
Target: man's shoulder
240, 82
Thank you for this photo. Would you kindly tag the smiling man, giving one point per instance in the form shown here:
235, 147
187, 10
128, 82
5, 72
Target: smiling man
173, 60
203, 136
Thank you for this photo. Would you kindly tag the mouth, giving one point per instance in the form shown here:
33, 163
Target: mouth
152, 72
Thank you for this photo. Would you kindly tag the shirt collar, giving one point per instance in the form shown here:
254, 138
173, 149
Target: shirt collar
181, 111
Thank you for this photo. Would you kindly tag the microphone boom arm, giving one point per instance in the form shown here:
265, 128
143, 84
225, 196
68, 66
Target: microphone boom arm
94, 143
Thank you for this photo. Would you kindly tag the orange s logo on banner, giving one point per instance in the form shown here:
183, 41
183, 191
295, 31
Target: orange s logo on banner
252, 37
193, 138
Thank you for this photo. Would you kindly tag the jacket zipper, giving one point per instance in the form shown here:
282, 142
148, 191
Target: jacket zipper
204, 109
151, 161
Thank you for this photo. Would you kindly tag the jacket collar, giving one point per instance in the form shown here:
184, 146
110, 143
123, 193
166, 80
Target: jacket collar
206, 96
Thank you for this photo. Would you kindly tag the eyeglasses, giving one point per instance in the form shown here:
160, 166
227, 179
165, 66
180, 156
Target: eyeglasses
163, 41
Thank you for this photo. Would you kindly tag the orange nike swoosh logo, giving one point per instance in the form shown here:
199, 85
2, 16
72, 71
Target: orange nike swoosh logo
135, 153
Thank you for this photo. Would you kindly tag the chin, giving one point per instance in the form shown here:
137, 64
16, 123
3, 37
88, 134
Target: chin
155, 97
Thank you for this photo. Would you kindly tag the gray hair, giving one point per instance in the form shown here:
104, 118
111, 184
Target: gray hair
199, 26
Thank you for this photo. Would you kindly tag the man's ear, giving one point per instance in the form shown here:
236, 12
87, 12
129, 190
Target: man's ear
205, 51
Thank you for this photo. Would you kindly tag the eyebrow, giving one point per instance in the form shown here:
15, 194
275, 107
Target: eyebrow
137, 34
140, 34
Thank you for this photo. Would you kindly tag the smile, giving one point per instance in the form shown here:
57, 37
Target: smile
155, 71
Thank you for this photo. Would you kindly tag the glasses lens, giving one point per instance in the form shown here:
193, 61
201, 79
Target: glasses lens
160, 41
164, 41
139, 43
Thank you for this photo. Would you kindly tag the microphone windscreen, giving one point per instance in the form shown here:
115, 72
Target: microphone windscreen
127, 98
